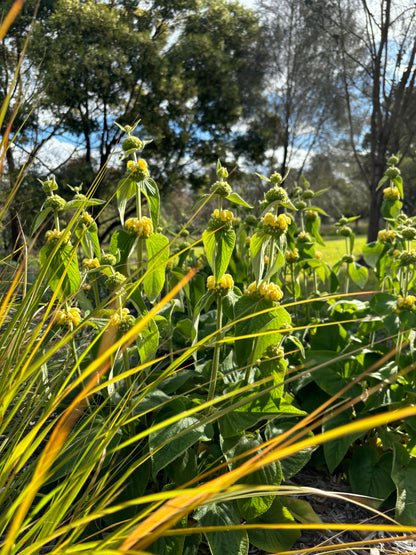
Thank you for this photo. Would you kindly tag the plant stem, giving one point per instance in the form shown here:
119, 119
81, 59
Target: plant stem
140, 239
216, 359
271, 258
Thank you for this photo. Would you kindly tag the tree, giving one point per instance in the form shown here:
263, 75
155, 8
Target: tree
385, 83
303, 81
188, 70
21, 128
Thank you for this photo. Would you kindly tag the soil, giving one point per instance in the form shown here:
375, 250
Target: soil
337, 510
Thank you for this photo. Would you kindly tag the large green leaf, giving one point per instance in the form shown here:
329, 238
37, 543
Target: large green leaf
126, 189
63, 262
233, 542
383, 303
335, 450
82, 203
278, 262
372, 252
312, 226
122, 243
300, 509
172, 441
290, 465
236, 199
249, 414
225, 241
208, 239
251, 507
39, 219
369, 474
157, 246
256, 243
274, 541
404, 477
358, 274
219, 248
276, 319
391, 208
89, 242
149, 341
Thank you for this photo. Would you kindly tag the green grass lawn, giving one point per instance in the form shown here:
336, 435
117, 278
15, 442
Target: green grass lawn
335, 248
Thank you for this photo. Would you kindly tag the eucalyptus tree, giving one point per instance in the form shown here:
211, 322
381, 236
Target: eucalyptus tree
304, 84
382, 84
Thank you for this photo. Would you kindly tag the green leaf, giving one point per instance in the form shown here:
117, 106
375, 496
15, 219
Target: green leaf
317, 209
89, 241
300, 509
224, 246
372, 252
398, 181
200, 202
358, 274
219, 248
82, 203
369, 474
251, 507
383, 303
312, 227
233, 542
63, 261
335, 450
382, 181
279, 262
274, 541
126, 189
248, 415
404, 477
172, 441
122, 242
148, 342
39, 219
169, 545
236, 199
150, 190
290, 465
258, 245
276, 319
208, 239
264, 178
320, 192
157, 246
330, 376
391, 208
93, 234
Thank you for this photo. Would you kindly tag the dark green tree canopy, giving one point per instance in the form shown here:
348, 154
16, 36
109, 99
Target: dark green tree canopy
189, 70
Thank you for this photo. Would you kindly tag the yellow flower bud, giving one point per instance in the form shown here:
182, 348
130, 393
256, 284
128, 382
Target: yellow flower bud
69, 318
90, 263
224, 285
140, 228
292, 256
53, 236
391, 193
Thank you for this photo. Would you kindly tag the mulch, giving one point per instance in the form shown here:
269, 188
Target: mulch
336, 510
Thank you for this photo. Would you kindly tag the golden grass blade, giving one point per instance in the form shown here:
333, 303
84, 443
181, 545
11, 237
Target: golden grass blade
10, 17
74, 412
